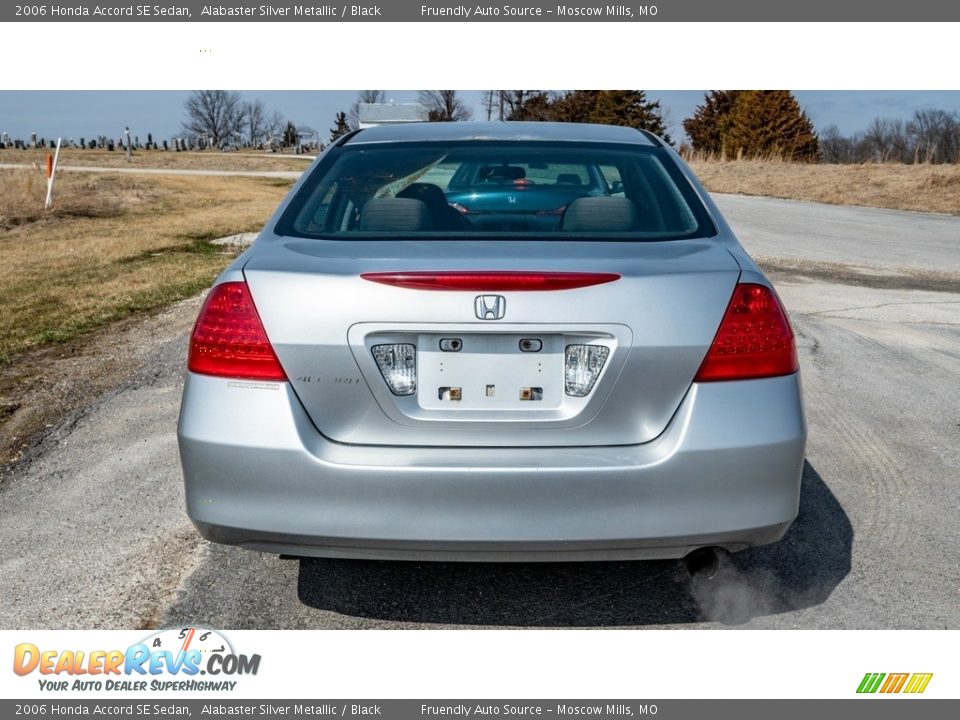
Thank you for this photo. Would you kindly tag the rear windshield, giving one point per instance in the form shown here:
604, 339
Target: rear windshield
483, 189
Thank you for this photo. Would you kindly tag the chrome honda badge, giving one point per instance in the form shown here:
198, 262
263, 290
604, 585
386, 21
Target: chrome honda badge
490, 307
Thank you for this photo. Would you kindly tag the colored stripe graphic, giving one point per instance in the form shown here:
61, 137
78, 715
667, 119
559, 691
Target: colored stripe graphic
918, 682
870, 682
895, 683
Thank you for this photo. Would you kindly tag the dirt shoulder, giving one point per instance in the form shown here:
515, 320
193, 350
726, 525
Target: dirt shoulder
47, 389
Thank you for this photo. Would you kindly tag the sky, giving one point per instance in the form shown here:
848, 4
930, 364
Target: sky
79, 113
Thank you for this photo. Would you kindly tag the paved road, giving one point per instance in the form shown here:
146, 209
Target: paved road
868, 237
94, 533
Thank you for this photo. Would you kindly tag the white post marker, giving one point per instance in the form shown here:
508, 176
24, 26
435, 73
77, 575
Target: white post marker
51, 170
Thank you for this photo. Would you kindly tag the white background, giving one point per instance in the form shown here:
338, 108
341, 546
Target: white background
472, 56
316, 56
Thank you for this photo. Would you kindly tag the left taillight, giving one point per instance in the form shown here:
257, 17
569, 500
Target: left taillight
229, 340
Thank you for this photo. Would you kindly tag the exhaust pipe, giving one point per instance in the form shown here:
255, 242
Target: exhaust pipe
704, 563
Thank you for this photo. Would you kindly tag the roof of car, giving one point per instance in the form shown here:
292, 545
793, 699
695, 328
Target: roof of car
546, 131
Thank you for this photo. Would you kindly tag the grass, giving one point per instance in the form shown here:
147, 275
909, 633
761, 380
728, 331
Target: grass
113, 245
207, 160
925, 188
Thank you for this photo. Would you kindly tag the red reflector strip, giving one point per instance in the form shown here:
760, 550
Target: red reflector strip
229, 340
490, 280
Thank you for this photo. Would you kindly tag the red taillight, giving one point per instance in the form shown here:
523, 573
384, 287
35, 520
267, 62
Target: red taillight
229, 340
754, 339
491, 281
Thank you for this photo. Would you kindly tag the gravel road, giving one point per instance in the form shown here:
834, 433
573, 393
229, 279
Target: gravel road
94, 532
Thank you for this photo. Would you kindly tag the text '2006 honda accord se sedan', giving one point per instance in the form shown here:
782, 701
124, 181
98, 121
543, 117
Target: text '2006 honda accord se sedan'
493, 341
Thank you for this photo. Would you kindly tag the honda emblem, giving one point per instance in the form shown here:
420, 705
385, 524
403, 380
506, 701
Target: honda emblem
490, 307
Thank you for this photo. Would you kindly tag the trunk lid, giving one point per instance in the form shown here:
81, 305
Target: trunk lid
656, 322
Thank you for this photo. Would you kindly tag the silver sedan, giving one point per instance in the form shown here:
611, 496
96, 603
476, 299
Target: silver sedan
494, 341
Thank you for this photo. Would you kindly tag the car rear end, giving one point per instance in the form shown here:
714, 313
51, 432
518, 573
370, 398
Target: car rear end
385, 376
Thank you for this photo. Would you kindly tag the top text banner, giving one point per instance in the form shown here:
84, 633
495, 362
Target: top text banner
528, 11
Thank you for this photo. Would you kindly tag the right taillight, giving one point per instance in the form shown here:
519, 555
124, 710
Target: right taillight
754, 339
229, 340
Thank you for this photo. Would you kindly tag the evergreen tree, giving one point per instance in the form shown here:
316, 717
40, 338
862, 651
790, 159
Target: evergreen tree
630, 108
291, 136
765, 122
525, 104
710, 121
341, 127
575, 106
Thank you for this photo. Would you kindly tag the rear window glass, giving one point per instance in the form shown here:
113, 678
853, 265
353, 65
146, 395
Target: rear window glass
498, 190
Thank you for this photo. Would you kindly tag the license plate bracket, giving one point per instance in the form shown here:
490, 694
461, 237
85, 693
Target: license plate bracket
490, 371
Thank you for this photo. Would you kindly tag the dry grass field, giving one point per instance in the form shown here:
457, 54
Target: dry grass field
926, 188
209, 160
113, 245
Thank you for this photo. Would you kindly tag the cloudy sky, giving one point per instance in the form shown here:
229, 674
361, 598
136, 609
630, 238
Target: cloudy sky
78, 114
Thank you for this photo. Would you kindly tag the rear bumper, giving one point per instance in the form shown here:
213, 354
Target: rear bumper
725, 472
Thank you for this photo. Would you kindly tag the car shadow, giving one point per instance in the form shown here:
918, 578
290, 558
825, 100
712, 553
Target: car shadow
798, 572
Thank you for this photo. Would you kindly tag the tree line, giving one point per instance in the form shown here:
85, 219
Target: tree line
770, 123
930, 136
614, 107
729, 124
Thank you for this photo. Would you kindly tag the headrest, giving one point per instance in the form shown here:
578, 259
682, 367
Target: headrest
600, 214
391, 214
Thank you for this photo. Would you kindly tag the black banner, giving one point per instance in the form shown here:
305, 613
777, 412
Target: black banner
523, 11
872, 708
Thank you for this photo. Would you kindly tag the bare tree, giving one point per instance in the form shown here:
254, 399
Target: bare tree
364, 96
513, 103
214, 114
444, 106
276, 125
257, 125
879, 137
491, 100
936, 134
836, 148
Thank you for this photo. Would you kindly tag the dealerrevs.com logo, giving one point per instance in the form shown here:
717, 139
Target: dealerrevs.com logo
169, 660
